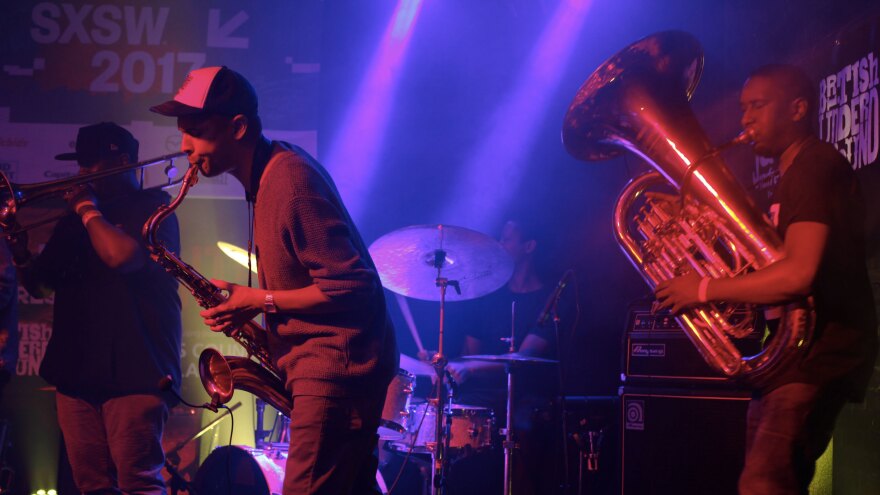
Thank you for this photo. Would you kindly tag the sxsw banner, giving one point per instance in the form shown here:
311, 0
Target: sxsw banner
66, 64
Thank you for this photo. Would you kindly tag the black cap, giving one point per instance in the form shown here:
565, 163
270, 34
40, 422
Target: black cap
104, 140
211, 90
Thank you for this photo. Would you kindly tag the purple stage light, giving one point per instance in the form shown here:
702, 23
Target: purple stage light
354, 155
494, 173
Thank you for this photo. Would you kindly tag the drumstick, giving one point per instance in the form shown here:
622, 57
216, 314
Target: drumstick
407, 316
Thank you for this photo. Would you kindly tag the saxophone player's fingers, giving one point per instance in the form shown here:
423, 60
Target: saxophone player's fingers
216, 326
209, 313
215, 312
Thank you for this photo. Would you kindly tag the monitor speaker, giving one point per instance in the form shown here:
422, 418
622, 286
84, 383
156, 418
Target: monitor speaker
687, 442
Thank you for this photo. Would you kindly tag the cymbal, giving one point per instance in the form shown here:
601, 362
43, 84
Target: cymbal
416, 367
406, 260
238, 255
513, 357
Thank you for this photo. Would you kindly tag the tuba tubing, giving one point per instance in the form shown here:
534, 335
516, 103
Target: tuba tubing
638, 101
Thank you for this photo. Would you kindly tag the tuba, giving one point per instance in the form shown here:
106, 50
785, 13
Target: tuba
638, 100
220, 374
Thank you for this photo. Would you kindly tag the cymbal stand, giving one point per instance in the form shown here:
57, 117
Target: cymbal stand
508, 443
441, 436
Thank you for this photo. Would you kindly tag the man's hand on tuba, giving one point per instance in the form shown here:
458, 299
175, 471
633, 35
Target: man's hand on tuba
679, 293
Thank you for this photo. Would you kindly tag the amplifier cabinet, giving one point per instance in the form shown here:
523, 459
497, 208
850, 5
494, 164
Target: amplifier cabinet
655, 348
681, 441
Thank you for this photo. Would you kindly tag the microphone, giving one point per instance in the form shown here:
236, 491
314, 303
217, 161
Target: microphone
553, 299
166, 385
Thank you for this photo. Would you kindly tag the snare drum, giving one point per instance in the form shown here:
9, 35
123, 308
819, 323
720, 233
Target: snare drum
471, 428
395, 415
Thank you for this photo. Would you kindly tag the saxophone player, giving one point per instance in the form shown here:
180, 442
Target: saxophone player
818, 210
328, 331
116, 320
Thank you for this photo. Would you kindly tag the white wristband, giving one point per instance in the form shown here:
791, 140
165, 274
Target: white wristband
90, 215
84, 204
703, 290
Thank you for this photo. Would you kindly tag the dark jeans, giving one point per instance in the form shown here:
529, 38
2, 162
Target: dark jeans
114, 445
332, 443
788, 429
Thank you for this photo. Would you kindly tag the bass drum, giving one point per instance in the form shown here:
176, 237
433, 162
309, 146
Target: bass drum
254, 472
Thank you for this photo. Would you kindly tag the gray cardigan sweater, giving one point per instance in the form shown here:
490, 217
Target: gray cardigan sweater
303, 236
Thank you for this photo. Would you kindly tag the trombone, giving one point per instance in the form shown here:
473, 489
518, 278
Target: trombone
15, 196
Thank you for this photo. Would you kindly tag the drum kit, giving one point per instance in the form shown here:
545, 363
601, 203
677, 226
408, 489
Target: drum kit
420, 262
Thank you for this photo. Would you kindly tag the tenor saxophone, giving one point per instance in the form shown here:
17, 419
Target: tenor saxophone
219, 374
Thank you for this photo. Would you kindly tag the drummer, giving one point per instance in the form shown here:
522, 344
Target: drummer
488, 328
482, 383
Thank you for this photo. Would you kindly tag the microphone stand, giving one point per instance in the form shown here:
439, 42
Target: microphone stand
508, 443
562, 404
260, 434
178, 482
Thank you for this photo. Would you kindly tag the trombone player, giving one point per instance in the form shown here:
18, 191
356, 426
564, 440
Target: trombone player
818, 210
116, 319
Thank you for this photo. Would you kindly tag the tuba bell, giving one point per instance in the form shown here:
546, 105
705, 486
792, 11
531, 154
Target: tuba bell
638, 101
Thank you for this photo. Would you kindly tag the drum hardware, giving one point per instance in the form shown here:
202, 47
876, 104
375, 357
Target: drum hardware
471, 429
470, 262
511, 361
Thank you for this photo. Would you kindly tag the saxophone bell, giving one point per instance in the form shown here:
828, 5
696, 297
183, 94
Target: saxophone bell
216, 376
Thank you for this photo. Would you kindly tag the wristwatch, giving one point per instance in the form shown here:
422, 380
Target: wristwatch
269, 303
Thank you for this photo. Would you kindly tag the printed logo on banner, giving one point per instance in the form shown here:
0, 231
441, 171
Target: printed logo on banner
85, 62
849, 112
137, 71
34, 331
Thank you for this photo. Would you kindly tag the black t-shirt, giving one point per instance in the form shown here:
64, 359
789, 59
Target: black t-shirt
820, 186
490, 323
113, 333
